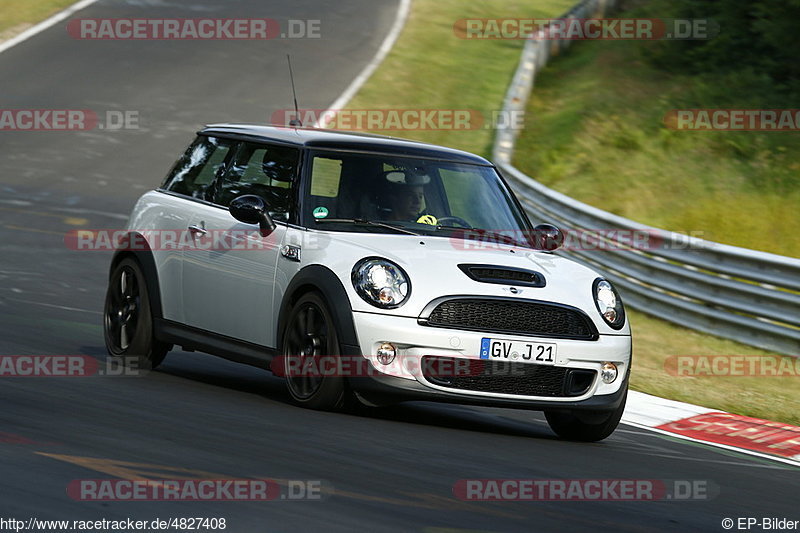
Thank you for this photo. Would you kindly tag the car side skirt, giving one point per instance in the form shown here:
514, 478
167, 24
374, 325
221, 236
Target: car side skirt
193, 339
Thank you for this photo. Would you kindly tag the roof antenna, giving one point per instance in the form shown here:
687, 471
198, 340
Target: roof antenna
295, 122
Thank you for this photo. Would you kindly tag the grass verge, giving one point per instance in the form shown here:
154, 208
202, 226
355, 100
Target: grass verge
596, 132
17, 16
432, 69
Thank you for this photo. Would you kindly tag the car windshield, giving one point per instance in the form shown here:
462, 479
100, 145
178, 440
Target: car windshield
390, 194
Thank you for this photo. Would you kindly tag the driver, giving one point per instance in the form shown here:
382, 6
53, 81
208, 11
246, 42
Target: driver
406, 195
406, 202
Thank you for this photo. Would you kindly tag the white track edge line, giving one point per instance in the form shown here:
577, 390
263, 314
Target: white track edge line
45, 24
351, 90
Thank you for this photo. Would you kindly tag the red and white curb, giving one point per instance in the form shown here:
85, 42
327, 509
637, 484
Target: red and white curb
753, 436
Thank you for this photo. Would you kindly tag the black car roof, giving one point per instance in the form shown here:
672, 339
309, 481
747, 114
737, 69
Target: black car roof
343, 140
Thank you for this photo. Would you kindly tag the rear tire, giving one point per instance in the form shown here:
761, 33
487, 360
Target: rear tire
128, 319
586, 426
310, 342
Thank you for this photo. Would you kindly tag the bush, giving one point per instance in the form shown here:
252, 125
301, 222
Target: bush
757, 37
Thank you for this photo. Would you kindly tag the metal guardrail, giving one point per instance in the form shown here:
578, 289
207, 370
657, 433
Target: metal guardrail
745, 295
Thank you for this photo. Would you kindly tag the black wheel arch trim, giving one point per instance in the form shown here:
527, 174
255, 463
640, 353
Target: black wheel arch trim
144, 257
326, 282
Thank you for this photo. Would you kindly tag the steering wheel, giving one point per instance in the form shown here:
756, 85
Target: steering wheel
458, 220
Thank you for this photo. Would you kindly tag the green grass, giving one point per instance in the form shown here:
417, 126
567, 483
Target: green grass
594, 131
430, 68
18, 15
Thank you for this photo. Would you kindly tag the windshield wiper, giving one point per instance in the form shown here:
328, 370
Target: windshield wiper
503, 239
367, 223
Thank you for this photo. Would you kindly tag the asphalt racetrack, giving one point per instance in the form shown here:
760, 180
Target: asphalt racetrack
197, 416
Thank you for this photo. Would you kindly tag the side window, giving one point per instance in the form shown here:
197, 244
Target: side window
195, 171
267, 171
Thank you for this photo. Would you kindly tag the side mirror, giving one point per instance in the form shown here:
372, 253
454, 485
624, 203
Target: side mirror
252, 209
548, 237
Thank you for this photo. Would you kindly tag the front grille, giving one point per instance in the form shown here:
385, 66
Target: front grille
501, 377
512, 316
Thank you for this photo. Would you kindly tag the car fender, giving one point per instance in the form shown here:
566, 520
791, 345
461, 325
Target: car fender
326, 282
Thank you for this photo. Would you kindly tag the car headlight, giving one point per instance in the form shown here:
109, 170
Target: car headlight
608, 303
381, 282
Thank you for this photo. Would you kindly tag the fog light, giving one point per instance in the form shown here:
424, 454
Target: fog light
608, 372
386, 353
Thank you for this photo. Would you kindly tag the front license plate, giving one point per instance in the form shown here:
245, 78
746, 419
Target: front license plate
541, 353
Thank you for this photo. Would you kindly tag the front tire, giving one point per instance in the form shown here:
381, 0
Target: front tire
310, 344
128, 319
586, 426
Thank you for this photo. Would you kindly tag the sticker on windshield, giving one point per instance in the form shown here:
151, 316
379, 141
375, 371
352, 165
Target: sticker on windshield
320, 212
427, 219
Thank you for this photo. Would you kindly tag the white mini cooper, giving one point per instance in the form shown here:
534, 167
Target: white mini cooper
367, 269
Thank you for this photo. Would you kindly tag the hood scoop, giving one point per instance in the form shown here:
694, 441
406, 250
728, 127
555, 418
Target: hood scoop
504, 275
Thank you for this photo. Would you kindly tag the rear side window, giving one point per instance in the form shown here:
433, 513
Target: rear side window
195, 171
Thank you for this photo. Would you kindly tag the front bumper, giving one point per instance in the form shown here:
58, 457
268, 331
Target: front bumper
405, 381
384, 390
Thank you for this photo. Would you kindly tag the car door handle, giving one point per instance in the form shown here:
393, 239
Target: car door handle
197, 230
